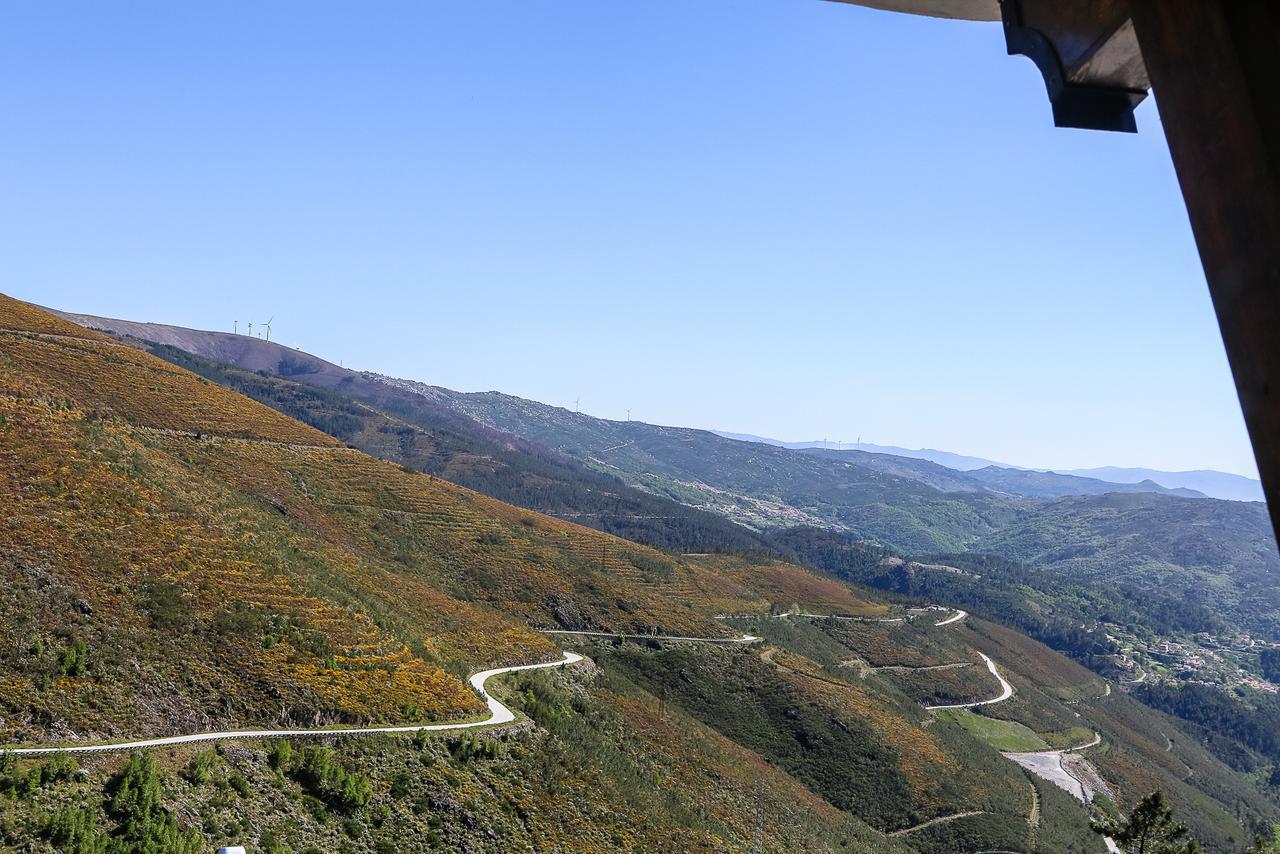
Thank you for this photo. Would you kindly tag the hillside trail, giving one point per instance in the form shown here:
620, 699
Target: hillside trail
939, 820
902, 668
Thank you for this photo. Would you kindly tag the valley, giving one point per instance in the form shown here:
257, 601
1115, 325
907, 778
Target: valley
184, 565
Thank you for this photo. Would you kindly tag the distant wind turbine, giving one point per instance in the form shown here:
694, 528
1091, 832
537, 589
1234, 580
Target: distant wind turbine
268, 325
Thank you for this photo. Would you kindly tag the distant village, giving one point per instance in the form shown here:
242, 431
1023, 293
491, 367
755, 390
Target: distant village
1203, 658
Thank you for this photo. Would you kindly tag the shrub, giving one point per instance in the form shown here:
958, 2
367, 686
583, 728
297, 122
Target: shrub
200, 768
60, 767
325, 778
165, 606
74, 659
145, 825
74, 830
240, 784
280, 754
271, 844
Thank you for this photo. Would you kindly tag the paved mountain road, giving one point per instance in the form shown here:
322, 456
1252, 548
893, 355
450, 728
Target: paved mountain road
1005, 693
744, 639
498, 714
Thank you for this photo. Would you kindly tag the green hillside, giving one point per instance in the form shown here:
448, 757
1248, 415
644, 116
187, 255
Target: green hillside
1218, 554
178, 558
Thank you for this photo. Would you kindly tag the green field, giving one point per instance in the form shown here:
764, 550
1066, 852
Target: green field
1002, 735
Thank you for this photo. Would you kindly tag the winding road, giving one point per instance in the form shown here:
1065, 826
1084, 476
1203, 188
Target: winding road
744, 639
1006, 690
498, 714
1048, 765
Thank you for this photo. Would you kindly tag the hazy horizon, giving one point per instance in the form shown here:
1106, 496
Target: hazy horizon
709, 214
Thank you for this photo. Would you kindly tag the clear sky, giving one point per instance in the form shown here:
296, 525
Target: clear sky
785, 217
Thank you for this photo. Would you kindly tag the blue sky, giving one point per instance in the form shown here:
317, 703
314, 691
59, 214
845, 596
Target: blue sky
786, 217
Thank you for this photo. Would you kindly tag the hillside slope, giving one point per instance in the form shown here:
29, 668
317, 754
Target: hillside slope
405, 427
178, 556
1219, 553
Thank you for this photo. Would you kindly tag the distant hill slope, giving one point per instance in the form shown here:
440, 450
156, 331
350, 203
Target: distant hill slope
1216, 484
1047, 484
959, 462
1023, 483
1221, 552
1202, 482
405, 427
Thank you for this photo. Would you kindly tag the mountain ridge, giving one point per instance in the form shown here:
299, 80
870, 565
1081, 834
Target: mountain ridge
1207, 482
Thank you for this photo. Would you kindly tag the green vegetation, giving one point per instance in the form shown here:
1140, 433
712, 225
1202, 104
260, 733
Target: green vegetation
1002, 735
1244, 733
1150, 829
1269, 661
586, 780
74, 659
408, 429
245, 568
329, 781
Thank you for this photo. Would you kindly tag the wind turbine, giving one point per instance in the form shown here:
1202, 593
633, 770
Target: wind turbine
268, 325
250, 329
235, 327
576, 402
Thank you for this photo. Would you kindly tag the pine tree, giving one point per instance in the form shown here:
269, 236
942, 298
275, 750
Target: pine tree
1151, 829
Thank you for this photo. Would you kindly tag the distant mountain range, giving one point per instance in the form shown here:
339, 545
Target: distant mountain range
1169, 542
959, 462
1215, 484
1203, 482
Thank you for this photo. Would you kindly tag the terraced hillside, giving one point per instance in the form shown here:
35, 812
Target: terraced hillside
1217, 555
215, 565
407, 428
